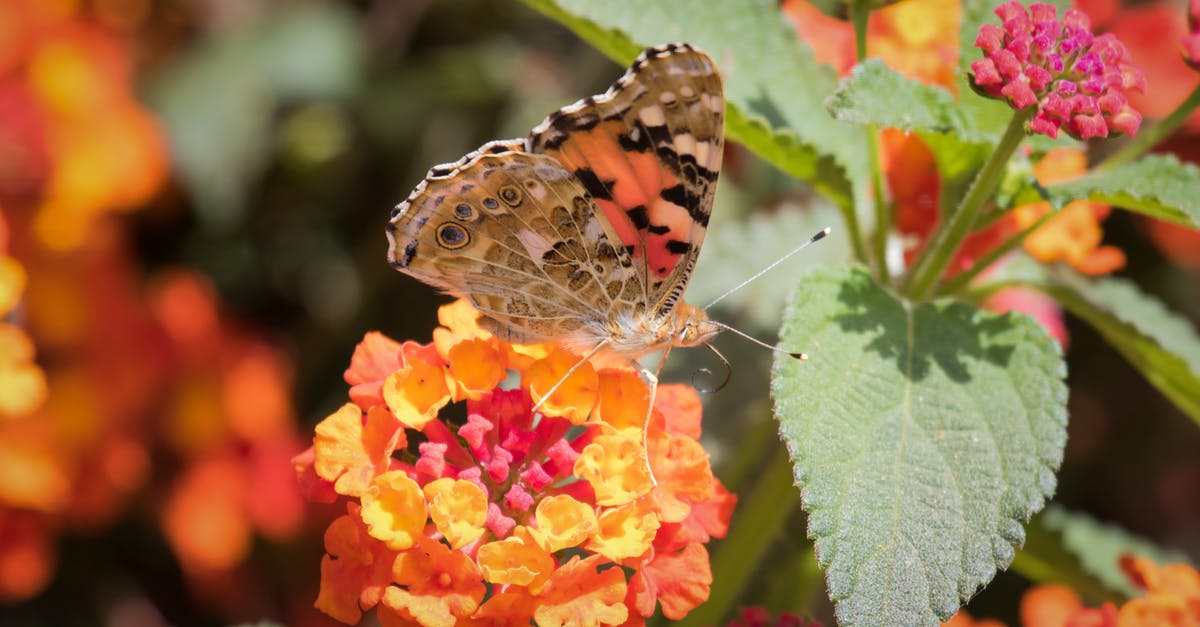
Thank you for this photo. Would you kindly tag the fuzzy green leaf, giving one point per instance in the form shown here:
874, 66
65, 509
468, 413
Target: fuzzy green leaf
1160, 344
910, 105
1159, 186
922, 436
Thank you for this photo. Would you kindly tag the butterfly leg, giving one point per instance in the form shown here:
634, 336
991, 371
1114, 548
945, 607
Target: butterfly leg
570, 371
651, 379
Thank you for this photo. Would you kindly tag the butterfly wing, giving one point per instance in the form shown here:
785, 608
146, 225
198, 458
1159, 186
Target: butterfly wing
521, 238
649, 152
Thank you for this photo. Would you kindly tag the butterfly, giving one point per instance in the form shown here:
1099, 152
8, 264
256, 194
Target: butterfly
587, 230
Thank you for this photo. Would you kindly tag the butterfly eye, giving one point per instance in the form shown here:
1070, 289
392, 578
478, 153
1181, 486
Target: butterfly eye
510, 195
452, 236
463, 211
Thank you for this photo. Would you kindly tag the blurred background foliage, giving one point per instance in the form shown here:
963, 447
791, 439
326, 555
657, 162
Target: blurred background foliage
288, 130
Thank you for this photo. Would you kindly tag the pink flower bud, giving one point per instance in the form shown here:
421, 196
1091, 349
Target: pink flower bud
985, 72
1127, 120
1019, 94
990, 38
1043, 12
1089, 125
1041, 123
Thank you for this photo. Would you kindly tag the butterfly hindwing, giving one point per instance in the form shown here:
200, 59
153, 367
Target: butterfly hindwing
649, 152
518, 235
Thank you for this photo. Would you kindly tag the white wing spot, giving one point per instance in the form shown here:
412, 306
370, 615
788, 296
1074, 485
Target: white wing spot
652, 116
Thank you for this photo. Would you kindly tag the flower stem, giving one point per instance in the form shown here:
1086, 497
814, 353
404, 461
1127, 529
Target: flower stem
950, 234
1148, 138
961, 279
860, 14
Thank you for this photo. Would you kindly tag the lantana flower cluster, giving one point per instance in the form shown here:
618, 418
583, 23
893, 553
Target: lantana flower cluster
510, 514
1076, 80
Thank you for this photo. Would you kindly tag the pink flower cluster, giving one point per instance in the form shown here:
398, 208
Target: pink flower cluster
1189, 46
1076, 79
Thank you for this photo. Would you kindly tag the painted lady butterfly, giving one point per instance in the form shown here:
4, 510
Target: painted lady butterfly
587, 230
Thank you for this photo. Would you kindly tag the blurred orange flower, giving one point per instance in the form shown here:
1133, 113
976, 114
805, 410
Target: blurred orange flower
1172, 599
542, 506
78, 143
918, 38
1074, 234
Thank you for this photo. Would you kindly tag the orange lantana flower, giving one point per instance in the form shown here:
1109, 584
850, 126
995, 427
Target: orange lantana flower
918, 38
554, 510
1074, 234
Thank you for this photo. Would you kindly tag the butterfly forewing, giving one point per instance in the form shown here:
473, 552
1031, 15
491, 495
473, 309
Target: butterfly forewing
520, 237
649, 151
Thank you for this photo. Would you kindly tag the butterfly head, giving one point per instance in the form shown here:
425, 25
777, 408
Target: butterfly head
692, 327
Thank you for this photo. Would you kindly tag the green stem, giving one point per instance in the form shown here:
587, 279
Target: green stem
961, 279
854, 232
1149, 137
850, 212
883, 216
860, 14
950, 234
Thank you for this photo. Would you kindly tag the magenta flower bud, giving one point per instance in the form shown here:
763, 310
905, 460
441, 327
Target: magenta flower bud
1039, 77
1127, 120
1010, 11
1112, 102
1093, 85
1084, 104
1056, 107
1076, 80
986, 72
1043, 12
1087, 126
1042, 123
1019, 94
990, 38
1021, 46
1008, 64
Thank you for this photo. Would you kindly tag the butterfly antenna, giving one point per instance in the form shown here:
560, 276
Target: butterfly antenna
725, 327
820, 234
706, 372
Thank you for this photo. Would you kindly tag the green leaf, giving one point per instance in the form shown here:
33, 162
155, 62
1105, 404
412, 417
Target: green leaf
910, 105
1159, 186
945, 126
774, 86
1160, 344
923, 436
1099, 546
